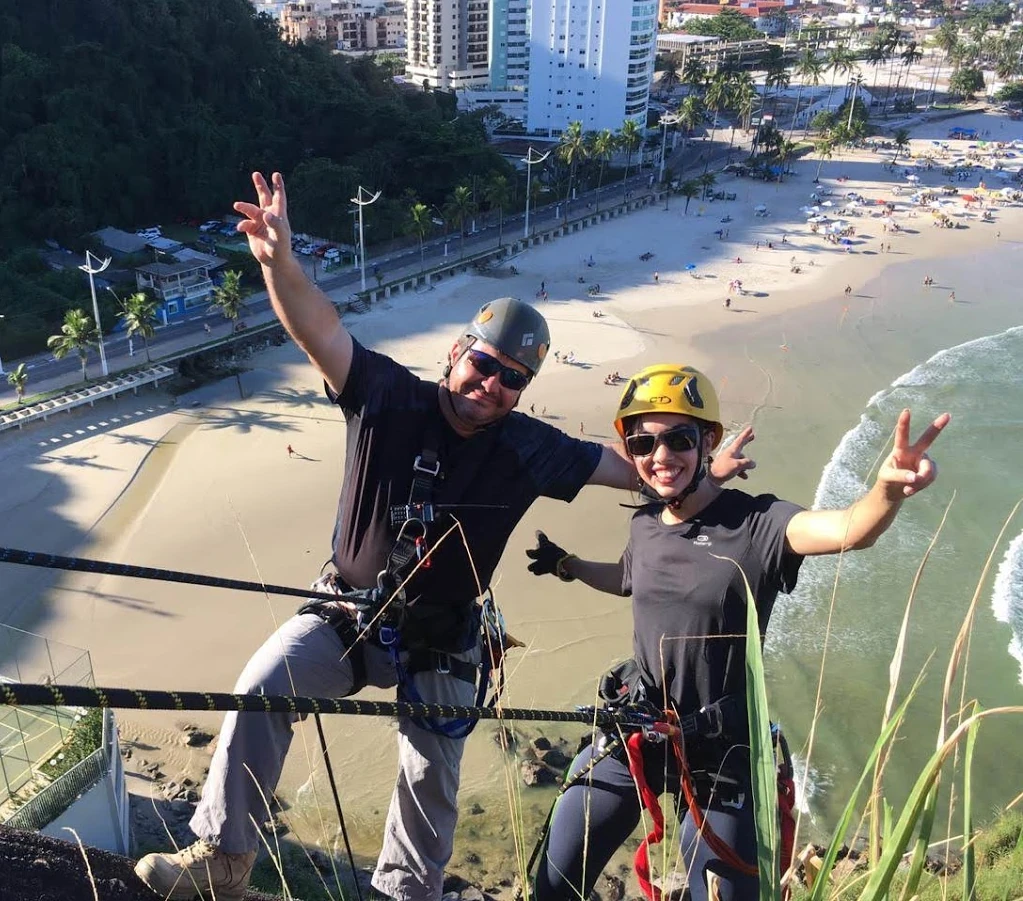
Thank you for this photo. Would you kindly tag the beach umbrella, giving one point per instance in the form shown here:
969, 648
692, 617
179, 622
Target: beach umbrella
828, 203
817, 219
913, 178
760, 208
969, 198
690, 267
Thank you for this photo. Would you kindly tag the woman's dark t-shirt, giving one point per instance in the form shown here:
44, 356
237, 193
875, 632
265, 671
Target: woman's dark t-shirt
689, 598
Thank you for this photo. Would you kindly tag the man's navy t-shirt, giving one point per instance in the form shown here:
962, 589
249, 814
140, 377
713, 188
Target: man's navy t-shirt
689, 598
510, 464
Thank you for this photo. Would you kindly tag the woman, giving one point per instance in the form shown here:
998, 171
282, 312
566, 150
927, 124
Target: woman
689, 609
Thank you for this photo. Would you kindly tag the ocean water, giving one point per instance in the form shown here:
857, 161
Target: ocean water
910, 349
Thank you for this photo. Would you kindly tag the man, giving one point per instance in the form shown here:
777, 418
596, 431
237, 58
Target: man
477, 458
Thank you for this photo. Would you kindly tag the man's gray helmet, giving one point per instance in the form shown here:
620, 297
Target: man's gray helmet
515, 329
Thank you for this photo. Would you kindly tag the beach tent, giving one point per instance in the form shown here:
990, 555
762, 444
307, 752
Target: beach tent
760, 208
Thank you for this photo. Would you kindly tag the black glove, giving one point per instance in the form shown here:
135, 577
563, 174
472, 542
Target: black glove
546, 556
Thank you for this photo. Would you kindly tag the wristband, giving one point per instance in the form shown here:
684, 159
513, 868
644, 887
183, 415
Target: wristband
559, 568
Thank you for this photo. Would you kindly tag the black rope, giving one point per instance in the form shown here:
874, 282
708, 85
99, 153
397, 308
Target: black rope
82, 564
606, 751
337, 804
25, 694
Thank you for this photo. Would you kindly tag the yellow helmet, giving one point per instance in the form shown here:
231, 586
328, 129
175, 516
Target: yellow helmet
670, 388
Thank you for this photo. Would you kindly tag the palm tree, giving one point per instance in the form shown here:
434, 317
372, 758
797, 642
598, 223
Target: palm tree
630, 137
840, 61
743, 97
694, 72
877, 54
572, 151
690, 113
809, 69
672, 73
460, 206
419, 222
895, 38
689, 189
825, 148
227, 296
706, 183
946, 40
498, 194
18, 378
77, 335
786, 150
856, 82
901, 140
602, 147
718, 94
138, 313
910, 55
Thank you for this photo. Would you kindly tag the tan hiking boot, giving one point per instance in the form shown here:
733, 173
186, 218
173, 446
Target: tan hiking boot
198, 870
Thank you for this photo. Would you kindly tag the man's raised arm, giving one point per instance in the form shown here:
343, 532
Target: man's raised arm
303, 309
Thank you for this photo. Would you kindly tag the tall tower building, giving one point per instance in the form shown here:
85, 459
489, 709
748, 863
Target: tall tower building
448, 43
509, 45
590, 61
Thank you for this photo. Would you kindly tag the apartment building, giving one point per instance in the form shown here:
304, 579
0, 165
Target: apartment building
553, 62
345, 24
448, 43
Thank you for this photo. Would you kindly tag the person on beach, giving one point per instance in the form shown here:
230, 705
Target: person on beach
410, 443
291, 451
691, 550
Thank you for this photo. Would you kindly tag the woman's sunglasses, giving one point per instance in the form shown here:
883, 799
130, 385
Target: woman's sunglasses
487, 366
678, 440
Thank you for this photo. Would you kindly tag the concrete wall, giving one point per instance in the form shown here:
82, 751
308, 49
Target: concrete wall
100, 816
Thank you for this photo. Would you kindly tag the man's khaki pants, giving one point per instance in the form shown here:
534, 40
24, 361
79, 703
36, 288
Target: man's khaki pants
305, 657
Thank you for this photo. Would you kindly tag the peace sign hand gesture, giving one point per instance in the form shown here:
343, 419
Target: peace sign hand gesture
908, 469
266, 224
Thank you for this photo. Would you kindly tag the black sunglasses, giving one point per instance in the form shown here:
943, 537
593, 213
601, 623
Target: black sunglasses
487, 366
678, 440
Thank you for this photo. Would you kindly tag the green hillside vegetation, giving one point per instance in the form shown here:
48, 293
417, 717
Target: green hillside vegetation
134, 112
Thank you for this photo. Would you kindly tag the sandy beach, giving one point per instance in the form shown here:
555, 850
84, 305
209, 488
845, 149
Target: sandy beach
205, 483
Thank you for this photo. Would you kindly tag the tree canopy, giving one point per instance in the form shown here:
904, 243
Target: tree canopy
728, 24
131, 112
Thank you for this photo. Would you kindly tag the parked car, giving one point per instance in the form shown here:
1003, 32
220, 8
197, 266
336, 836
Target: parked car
210, 225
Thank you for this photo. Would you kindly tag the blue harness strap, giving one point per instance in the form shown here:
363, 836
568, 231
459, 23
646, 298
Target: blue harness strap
444, 665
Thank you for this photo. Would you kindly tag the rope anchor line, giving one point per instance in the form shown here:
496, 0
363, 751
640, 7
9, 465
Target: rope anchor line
105, 567
26, 694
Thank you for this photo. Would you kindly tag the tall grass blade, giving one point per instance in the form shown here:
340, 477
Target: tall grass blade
894, 672
765, 779
881, 876
916, 867
820, 886
969, 854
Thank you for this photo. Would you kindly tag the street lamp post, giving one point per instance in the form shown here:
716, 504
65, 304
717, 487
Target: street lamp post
360, 203
667, 120
92, 271
529, 161
1, 361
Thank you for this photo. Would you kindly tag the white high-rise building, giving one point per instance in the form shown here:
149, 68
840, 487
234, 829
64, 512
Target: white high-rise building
448, 43
553, 62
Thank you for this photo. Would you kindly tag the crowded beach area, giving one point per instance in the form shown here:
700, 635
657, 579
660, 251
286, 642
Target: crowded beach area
800, 299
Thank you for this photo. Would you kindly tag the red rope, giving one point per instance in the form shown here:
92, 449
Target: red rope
634, 751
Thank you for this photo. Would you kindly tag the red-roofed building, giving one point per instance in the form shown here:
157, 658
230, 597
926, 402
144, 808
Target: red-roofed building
675, 14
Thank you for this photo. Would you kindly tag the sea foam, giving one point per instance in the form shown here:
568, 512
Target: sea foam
1007, 597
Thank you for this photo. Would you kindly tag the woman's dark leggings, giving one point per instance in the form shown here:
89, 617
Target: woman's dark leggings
608, 802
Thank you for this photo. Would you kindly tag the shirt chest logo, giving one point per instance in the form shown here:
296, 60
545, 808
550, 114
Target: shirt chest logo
703, 541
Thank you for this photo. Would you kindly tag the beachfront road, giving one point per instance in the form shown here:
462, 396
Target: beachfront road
47, 374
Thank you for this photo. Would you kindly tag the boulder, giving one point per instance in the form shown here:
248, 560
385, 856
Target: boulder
535, 772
